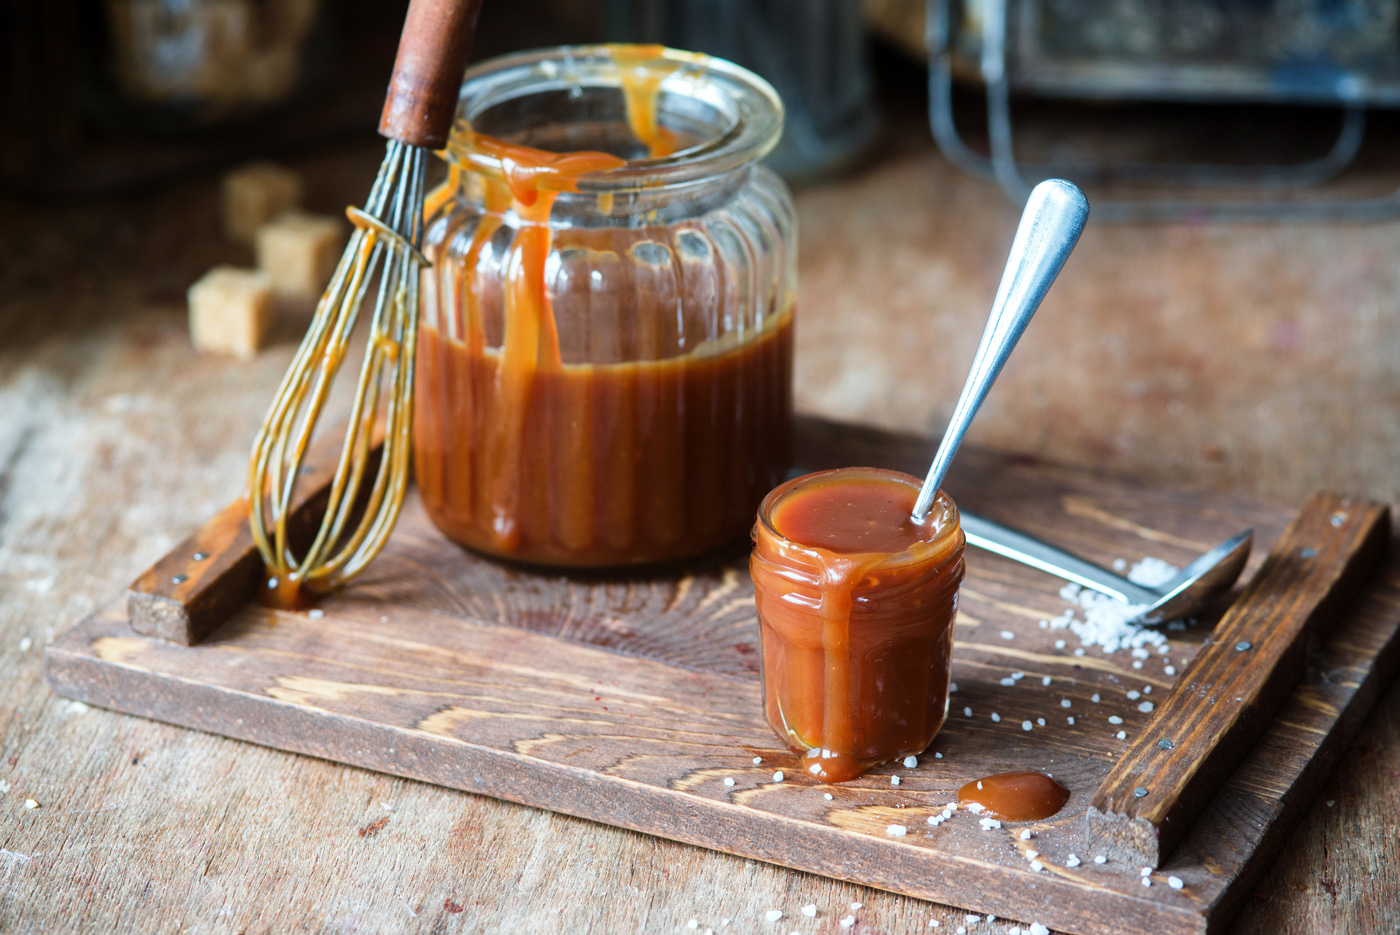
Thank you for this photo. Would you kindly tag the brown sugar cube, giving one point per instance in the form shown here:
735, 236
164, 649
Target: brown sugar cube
254, 195
231, 311
299, 252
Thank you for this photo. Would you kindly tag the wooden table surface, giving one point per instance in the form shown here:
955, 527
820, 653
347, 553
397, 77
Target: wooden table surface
1254, 358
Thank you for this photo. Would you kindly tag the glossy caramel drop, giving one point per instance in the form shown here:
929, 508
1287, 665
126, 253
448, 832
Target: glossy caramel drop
1023, 796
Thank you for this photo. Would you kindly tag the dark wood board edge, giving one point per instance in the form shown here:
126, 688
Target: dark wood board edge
1328, 754
1226, 698
918, 872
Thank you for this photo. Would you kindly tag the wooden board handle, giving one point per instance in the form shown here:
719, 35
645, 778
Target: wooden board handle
437, 38
216, 570
1230, 692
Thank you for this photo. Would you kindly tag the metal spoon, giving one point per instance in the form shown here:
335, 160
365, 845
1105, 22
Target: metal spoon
1050, 226
1207, 576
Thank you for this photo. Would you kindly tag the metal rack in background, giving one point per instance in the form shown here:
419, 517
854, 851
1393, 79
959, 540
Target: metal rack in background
1331, 53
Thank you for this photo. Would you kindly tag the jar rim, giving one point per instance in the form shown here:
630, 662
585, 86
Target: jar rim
950, 526
753, 110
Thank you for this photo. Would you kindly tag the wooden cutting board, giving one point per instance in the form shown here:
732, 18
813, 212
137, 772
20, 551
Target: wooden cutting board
634, 699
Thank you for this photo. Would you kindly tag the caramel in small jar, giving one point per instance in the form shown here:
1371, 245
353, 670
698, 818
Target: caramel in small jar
856, 605
1020, 796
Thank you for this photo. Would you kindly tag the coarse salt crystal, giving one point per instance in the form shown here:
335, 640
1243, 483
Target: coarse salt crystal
1134, 695
24, 644
1031, 855
1025, 725
1018, 675
778, 776
1070, 720
1137, 663
1037, 866
1066, 703
855, 906
693, 924
1122, 735
1175, 883
989, 823
30, 803
1008, 682
1099, 859
1059, 644
1046, 680
757, 760
848, 922
894, 780
1038, 929
1079, 651
952, 686
1007, 635
1145, 707
1094, 697
1146, 881
1040, 721
1147, 689
810, 910
773, 915
729, 780
975, 808
827, 796
1045, 624
896, 831
967, 712
315, 613
1144, 871
996, 718
1072, 861
1169, 670
938, 756
972, 920
910, 762
1025, 834
1114, 719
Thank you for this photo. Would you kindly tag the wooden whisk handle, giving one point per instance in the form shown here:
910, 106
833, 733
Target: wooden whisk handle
437, 38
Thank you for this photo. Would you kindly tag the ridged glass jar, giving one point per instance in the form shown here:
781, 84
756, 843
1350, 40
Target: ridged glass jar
605, 357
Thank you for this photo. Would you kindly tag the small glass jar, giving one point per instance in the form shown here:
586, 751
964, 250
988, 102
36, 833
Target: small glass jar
857, 641
604, 365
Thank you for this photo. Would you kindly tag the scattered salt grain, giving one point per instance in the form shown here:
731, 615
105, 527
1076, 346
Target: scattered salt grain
1120, 564
855, 906
1040, 721
952, 687
1114, 719
1025, 725
778, 776
1094, 697
1146, 707
1144, 871
1134, 695
1137, 663
1070, 720
315, 613
4, 785
1100, 859
1147, 689
24, 644
1008, 635
1037, 866
1025, 834
729, 780
848, 922
1072, 862
1031, 855
972, 920
1175, 883
959, 931
1008, 682
1146, 881
30, 803
1046, 680
910, 762
1037, 929
1059, 644
1066, 703
693, 924
975, 808
757, 760
989, 824
1169, 670
773, 915
1045, 624
810, 910
967, 712
996, 718
938, 756
1122, 735
1079, 651
1018, 675
894, 780
827, 796
896, 831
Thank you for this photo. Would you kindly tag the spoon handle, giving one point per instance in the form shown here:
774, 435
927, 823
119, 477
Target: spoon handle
1050, 226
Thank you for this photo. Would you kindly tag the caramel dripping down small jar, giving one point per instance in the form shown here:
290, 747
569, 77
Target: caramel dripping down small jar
605, 358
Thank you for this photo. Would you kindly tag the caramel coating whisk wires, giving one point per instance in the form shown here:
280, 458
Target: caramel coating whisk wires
355, 524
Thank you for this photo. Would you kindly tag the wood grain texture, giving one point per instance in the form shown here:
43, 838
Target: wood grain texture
1260, 360
217, 569
634, 701
1231, 690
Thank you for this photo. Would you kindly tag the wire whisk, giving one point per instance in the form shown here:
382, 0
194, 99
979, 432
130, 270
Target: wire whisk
360, 514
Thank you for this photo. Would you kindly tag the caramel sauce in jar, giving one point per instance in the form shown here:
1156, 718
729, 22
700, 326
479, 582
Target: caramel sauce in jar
605, 356
856, 605
1019, 796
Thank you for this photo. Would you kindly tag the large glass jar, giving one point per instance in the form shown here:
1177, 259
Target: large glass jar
605, 354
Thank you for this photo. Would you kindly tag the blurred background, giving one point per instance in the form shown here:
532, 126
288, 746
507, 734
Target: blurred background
1230, 318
